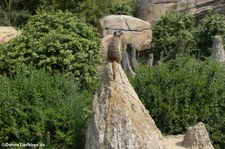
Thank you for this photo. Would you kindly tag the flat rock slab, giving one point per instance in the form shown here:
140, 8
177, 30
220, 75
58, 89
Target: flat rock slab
136, 31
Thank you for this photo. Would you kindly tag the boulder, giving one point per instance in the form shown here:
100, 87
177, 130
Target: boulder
119, 118
218, 53
197, 137
152, 10
7, 33
136, 31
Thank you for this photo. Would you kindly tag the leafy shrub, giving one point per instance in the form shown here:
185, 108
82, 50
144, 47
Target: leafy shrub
184, 92
213, 24
121, 7
171, 27
37, 107
17, 12
91, 10
57, 41
196, 39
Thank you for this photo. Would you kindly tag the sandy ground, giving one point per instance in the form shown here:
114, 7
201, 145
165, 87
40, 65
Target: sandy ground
173, 142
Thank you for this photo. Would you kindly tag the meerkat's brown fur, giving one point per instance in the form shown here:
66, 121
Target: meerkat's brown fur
114, 53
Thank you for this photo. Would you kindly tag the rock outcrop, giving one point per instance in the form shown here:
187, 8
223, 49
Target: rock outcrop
152, 10
197, 137
7, 33
136, 31
218, 53
120, 121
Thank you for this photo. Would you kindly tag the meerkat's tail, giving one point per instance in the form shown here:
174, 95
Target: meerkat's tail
114, 69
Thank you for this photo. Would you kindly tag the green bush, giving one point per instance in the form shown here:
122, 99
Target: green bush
213, 24
57, 41
171, 27
196, 39
17, 12
121, 7
182, 93
37, 107
91, 10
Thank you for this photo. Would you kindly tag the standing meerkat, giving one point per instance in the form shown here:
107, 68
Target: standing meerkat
114, 51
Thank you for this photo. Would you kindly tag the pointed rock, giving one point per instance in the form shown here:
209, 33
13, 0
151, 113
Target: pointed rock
120, 121
197, 137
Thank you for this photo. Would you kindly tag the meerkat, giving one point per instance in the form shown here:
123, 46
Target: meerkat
114, 51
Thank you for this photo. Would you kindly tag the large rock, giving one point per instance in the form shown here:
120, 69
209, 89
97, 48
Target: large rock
136, 31
152, 10
7, 33
218, 53
197, 137
120, 121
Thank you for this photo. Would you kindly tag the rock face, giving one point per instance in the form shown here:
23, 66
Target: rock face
119, 120
152, 10
218, 50
7, 33
197, 137
136, 31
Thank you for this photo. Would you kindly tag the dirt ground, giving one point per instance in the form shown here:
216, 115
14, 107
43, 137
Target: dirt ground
174, 142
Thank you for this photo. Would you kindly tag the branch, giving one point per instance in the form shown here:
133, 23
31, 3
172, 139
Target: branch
174, 52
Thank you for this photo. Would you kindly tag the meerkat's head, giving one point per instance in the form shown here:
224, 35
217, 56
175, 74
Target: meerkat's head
118, 33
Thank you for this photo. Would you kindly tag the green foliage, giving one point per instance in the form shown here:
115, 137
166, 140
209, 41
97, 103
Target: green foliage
171, 27
196, 39
90, 10
57, 41
213, 24
182, 93
122, 7
37, 107
16, 12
